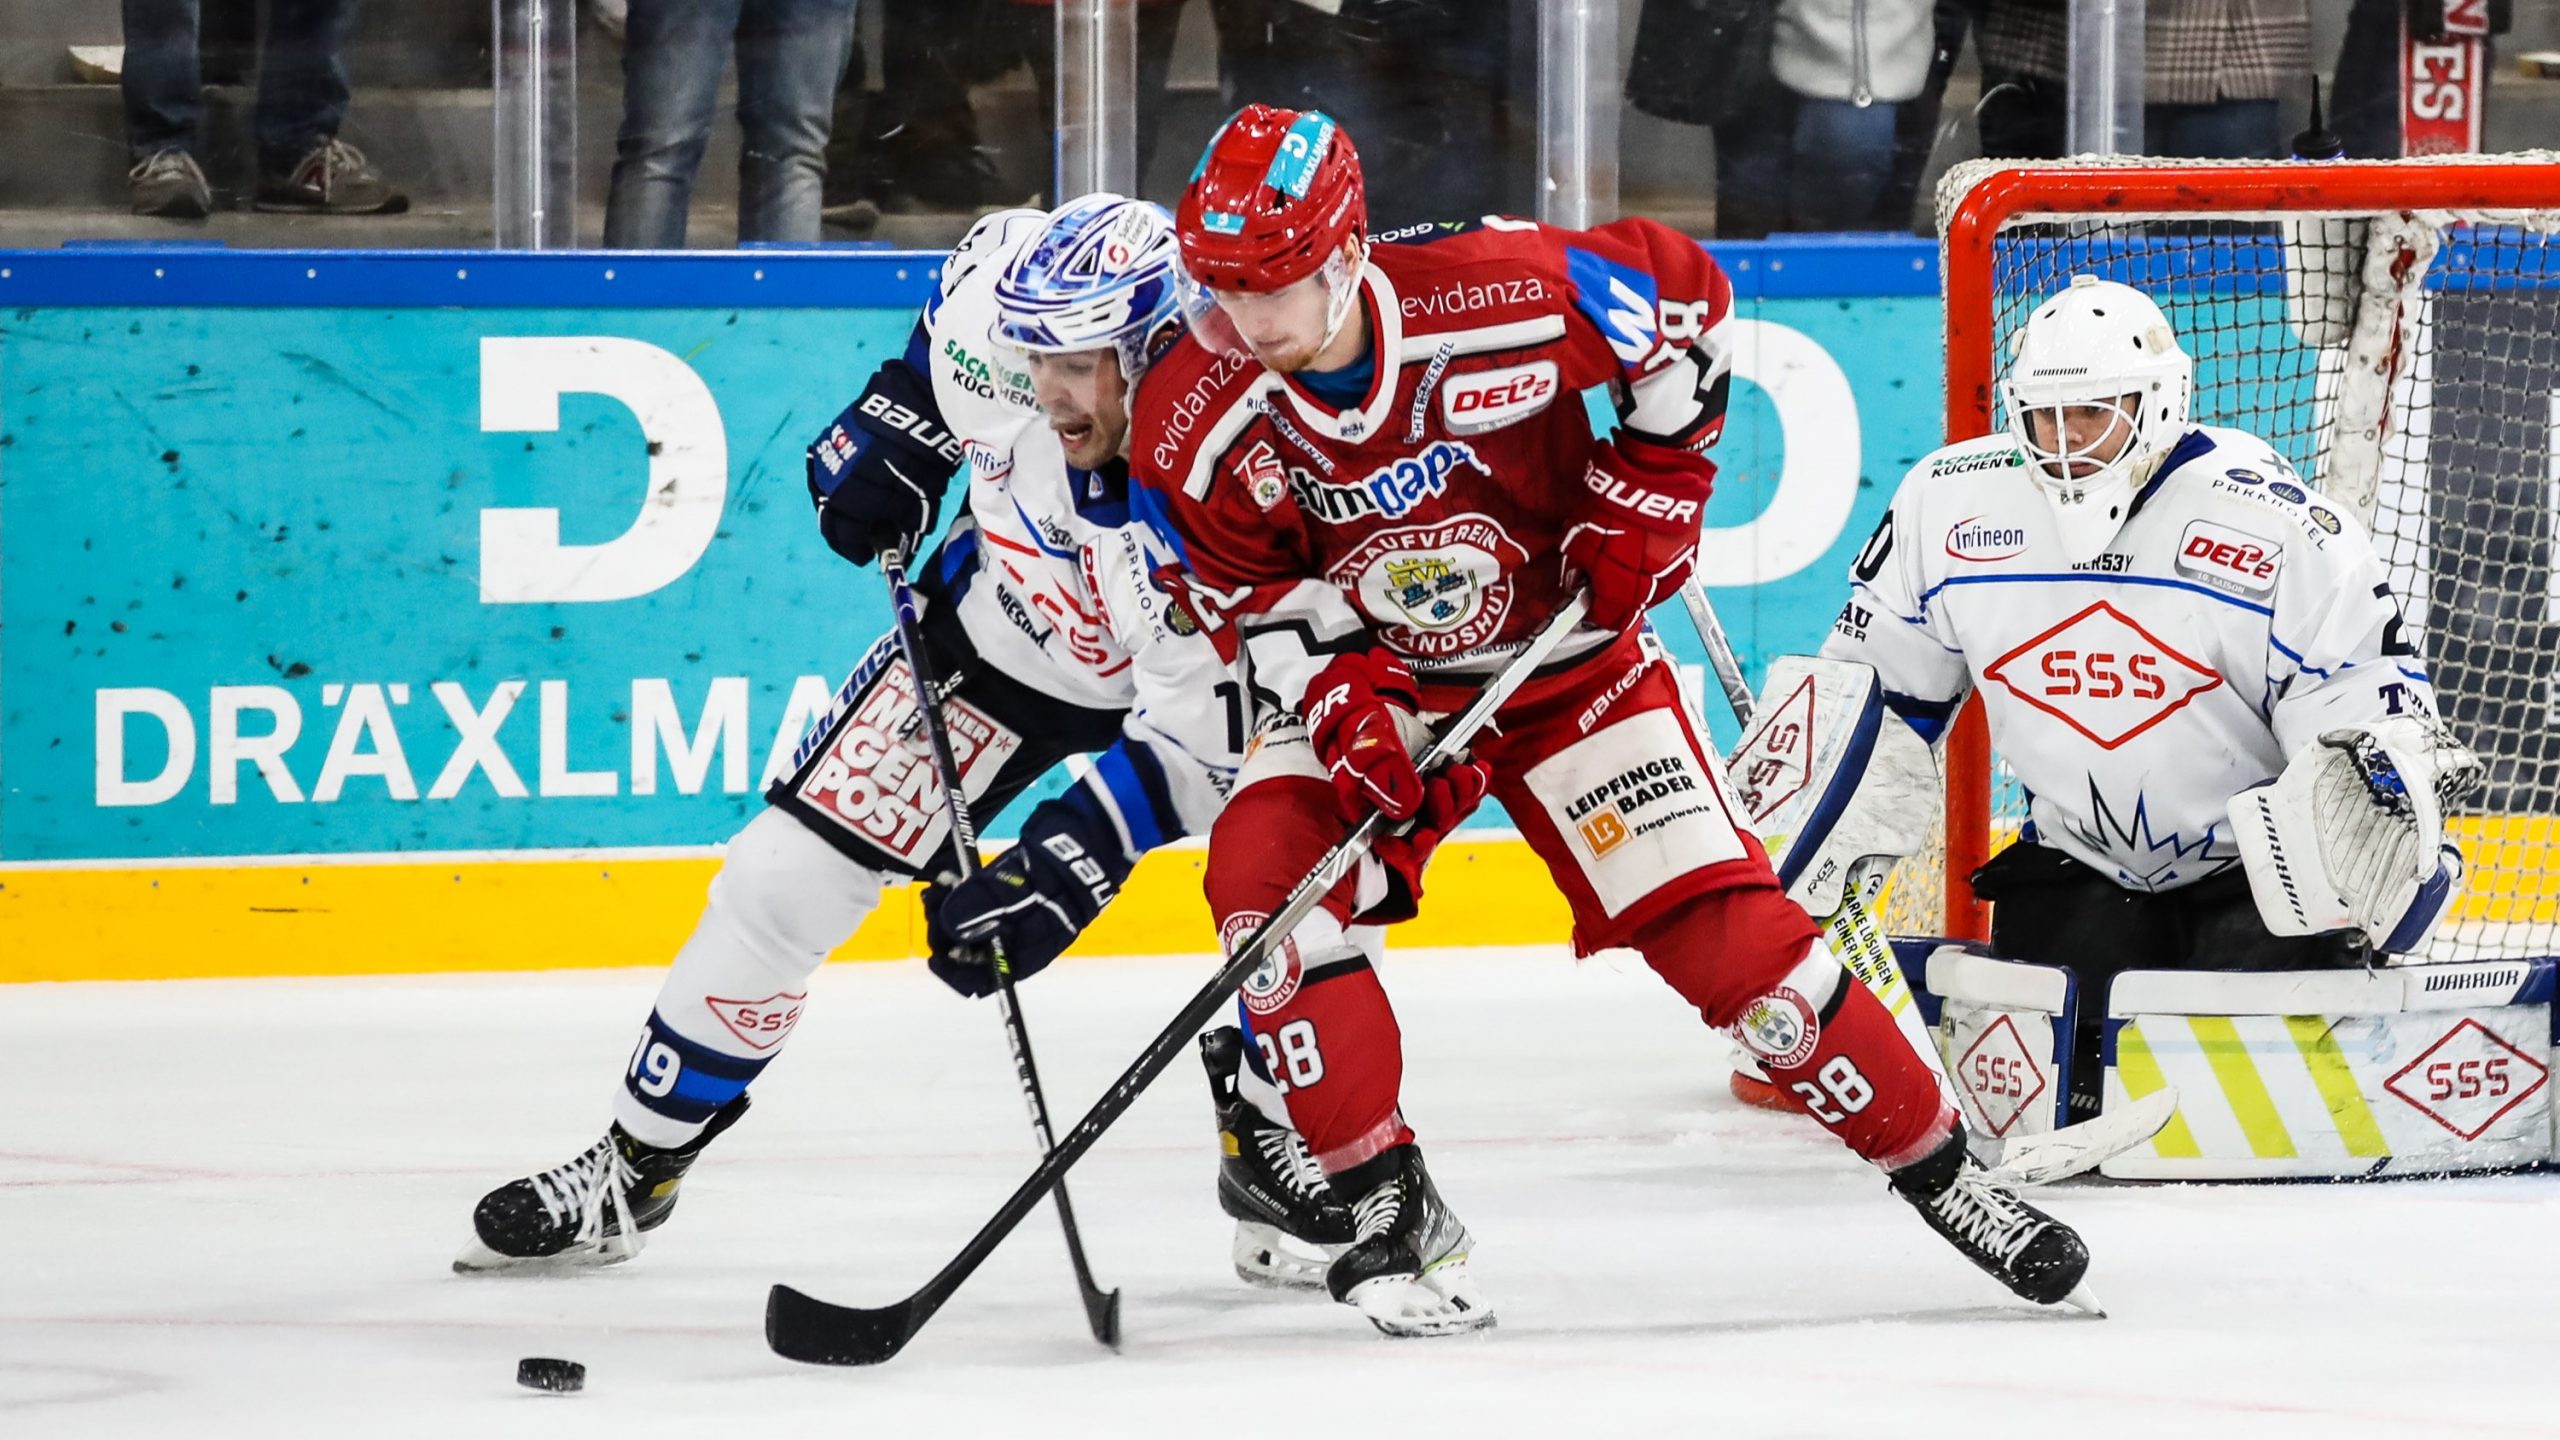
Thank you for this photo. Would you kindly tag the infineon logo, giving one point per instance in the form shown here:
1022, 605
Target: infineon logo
1976, 538
1491, 399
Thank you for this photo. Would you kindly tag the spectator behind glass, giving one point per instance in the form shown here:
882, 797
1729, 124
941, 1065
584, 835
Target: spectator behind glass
2364, 108
790, 55
1805, 98
2213, 71
1423, 86
303, 167
917, 146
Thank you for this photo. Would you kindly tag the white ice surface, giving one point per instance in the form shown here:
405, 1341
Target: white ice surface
227, 1208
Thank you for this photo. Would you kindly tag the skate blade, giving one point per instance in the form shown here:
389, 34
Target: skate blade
478, 1259
1267, 1259
2085, 1300
1408, 1308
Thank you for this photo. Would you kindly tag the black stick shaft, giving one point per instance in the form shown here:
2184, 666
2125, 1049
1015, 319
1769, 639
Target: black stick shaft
803, 1328
1102, 1308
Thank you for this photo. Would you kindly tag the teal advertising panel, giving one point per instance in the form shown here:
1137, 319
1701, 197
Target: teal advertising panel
471, 554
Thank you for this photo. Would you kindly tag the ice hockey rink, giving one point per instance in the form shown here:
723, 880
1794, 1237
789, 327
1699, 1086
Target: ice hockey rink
227, 1208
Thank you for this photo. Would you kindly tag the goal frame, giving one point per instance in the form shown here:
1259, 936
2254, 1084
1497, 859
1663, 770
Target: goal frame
2143, 189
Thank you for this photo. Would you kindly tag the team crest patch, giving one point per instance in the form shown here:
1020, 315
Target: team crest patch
1780, 1028
1275, 981
1264, 476
1439, 589
761, 1024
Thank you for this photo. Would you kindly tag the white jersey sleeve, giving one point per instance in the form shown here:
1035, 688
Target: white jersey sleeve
1888, 622
2343, 655
1175, 762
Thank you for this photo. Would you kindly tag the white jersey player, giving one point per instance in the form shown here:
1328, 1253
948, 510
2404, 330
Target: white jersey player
2176, 641
1050, 633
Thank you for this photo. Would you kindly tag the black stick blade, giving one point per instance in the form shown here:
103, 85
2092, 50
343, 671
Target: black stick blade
803, 1328
1102, 1311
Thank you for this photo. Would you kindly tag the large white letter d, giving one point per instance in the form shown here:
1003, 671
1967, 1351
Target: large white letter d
521, 381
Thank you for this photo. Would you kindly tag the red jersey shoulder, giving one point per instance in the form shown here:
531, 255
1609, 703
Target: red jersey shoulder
1497, 275
1181, 399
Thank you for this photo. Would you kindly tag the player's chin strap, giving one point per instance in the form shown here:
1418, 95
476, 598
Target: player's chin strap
2352, 836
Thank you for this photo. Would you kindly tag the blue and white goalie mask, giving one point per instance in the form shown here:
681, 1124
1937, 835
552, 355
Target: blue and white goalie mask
1104, 272
2097, 395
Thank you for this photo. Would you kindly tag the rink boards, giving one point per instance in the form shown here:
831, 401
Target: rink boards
413, 612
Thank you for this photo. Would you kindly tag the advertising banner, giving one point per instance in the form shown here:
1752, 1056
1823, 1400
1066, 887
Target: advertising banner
292, 588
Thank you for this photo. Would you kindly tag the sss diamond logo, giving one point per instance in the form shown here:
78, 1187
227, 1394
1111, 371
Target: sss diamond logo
2469, 1079
2102, 674
762, 1024
2001, 1074
1780, 760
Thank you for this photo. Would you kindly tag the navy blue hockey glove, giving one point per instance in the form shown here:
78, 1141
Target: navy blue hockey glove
1034, 900
878, 474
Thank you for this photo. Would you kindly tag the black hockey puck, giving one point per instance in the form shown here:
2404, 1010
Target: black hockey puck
561, 1377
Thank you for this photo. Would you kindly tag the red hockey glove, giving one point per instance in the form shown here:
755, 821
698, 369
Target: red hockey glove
1449, 795
1351, 713
1640, 539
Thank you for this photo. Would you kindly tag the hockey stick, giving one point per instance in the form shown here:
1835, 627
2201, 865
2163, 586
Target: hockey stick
1101, 1307
1862, 947
800, 1327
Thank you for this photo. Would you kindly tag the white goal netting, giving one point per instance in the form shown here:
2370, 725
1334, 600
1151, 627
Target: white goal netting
2408, 362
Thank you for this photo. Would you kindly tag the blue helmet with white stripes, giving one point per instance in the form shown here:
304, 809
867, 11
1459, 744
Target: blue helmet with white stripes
1103, 270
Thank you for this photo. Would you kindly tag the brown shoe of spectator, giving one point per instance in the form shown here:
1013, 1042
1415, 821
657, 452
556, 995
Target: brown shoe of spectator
334, 179
170, 184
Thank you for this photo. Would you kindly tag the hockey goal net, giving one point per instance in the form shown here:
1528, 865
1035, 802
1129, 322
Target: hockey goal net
2393, 328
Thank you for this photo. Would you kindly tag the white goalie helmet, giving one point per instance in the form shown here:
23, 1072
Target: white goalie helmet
2106, 347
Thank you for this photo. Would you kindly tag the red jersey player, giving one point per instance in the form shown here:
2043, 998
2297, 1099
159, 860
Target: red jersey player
1379, 464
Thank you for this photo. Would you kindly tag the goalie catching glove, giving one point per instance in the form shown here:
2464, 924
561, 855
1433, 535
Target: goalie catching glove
2351, 835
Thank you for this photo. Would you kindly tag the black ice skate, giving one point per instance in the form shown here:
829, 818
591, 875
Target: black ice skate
2036, 1256
1269, 1183
591, 1211
1407, 1271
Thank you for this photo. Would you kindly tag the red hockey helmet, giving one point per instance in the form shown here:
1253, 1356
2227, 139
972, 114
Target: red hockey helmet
1274, 197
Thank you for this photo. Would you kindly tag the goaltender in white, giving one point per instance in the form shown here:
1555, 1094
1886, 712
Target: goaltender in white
2192, 661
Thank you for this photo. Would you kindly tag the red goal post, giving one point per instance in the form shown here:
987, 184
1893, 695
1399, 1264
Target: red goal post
2226, 237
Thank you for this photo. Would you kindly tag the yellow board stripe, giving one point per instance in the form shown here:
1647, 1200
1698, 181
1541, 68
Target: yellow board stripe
381, 918
2318, 1042
2228, 1054
2141, 1072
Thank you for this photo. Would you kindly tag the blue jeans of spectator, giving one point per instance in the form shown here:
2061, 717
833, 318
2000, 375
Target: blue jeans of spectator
1811, 165
790, 55
302, 78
